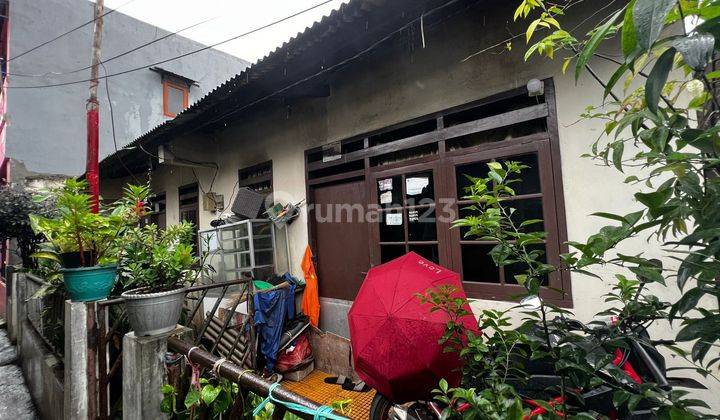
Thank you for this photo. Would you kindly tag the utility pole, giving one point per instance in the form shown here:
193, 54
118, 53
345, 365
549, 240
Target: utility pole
92, 172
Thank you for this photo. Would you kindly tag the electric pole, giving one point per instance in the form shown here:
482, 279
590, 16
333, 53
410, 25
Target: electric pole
92, 172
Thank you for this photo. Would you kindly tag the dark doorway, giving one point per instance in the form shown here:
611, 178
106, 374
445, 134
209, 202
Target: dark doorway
190, 208
340, 238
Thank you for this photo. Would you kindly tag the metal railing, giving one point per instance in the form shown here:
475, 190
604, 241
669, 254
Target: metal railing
218, 330
46, 313
248, 381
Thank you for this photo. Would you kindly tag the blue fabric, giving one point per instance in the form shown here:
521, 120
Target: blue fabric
271, 311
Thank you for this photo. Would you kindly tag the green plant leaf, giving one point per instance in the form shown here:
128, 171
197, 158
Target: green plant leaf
649, 18
687, 302
657, 78
47, 255
628, 34
618, 148
209, 393
593, 44
614, 79
192, 398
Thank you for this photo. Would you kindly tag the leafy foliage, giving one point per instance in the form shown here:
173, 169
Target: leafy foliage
211, 399
76, 228
156, 259
676, 144
666, 134
16, 205
580, 356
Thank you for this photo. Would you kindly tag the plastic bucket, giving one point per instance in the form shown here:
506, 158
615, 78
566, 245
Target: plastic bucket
153, 313
86, 284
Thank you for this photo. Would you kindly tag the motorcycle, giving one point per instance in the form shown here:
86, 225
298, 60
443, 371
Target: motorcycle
639, 359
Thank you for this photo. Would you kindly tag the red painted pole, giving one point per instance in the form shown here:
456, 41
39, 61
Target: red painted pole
92, 172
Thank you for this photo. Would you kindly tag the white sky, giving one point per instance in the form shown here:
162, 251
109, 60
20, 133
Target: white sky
233, 18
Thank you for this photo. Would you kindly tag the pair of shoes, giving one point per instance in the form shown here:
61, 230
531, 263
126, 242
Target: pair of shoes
347, 384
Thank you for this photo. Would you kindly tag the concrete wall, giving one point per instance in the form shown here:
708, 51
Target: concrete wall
399, 83
47, 126
43, 373
42, 369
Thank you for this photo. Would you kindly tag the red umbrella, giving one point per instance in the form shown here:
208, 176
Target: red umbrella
394, 337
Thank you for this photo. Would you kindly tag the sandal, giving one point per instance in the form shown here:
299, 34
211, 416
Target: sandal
356, 387
338, 380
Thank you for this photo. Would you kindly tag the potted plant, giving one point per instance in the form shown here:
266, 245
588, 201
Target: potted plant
84, 243
159, 265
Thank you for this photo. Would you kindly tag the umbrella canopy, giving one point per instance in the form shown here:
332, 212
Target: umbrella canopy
394, 337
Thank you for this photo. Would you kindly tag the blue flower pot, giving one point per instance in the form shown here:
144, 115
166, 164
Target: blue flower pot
86, 284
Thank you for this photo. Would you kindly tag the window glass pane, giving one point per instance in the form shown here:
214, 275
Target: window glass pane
475, 170
419, 189
421, 224
390, 252
526, 210
175, 98
519, 268
392, 227
390, 191
429, 252
464, 212
529, 178
477, 264
263, 257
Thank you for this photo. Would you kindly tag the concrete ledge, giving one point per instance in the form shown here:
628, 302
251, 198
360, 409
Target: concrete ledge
43, 373
144, 373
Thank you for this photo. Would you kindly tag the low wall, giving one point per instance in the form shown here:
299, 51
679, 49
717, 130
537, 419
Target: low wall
3, 298
43, 370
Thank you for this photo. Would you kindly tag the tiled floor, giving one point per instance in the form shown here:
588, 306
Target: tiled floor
315, 388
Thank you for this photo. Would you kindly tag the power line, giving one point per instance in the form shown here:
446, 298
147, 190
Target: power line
121, 54
68, 32
112, 124
182, 55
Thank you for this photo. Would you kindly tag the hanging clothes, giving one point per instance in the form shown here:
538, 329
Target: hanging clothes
310, 300
271, 311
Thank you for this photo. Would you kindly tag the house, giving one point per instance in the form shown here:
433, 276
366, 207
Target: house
374, 116
54, 144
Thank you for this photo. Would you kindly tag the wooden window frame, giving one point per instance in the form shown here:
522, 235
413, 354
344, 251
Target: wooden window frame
442, 228
540, 147
167, 84
546, 144
246, 177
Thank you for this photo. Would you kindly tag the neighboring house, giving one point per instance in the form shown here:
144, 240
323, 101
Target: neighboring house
46, 131
378, 104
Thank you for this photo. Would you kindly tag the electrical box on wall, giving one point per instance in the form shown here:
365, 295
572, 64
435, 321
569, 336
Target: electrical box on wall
213, 202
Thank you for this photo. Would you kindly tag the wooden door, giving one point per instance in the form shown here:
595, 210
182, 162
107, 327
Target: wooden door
340, 238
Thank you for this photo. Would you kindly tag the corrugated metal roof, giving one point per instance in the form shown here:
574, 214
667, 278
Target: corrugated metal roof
335, 39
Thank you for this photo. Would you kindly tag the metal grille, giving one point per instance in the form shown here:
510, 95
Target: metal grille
46, 314
220, 330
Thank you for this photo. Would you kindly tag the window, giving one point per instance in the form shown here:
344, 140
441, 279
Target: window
175, 97
257, 178
156, 215
416, 175
535, 199
407, 215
